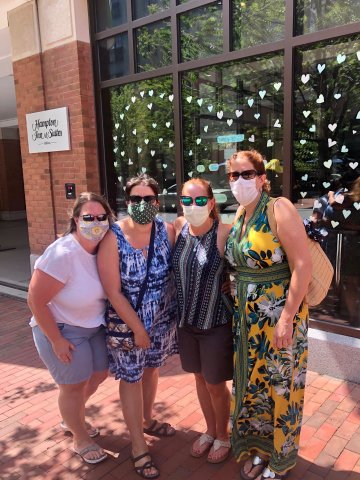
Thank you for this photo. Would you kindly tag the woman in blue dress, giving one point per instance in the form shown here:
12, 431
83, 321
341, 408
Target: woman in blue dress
135, 262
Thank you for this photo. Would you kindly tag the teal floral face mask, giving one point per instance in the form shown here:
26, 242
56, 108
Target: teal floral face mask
142, 212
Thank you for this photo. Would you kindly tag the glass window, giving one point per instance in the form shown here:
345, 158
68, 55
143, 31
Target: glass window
327, 162
140, 137
114, 56
312, 15
201, 32
256, 22
153, 46
110, 14
230, 107
143, 8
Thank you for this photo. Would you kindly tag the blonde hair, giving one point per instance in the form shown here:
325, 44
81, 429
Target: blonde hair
257, 160
209, 193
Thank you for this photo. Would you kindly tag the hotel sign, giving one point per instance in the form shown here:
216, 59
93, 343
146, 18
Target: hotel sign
48, 131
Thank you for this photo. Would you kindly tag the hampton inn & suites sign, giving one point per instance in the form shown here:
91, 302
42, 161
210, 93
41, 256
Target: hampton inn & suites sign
48, 131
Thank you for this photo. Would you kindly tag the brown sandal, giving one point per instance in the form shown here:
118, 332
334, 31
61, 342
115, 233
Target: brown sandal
149, 464
257, 466
158, 429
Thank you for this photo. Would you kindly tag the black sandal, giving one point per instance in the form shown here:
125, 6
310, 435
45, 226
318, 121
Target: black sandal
149, 464
158, 429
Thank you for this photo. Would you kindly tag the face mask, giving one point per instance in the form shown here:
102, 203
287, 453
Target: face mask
94, 231
244, 191
195, 215
142, 212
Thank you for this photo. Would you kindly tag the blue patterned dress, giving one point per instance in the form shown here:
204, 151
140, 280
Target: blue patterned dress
158, 309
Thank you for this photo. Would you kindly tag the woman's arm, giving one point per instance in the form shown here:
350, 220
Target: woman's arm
292, 237
42, 289
170, 233
108, 266
222, 236
178, 224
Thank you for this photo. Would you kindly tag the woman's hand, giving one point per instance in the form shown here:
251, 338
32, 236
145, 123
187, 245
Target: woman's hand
142, 339
283, 334
62, 349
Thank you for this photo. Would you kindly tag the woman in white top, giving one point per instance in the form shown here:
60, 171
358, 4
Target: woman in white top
68, 304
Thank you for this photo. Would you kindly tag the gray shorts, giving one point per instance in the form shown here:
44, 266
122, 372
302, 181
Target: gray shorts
209, 352
89, 356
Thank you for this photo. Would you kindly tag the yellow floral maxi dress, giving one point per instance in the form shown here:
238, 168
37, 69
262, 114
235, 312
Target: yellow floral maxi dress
268, 387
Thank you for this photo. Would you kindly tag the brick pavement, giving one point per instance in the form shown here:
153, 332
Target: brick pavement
33, 447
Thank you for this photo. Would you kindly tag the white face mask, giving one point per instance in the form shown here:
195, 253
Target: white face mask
195, 215
244, 191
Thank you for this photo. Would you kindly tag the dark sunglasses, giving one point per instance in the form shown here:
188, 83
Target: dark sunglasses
199, 201
246, 175
90, 218
139, 198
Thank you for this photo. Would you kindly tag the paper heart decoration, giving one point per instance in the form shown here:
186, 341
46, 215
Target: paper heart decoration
154, 125
200, 168
332, 127
164, 191
331, 142
320, 99
262, 93
127, 107
146, 141
312, 128
317, 204
142, 93
162, 95
257, 116
206, 128
173, 205
220, 114
120, 179
305, 177
152, 152
238, 113
122, 153
190, 153
161, 139
121, 116
358, 115
123, 135
139, 149
252, 139
305, 78
341, 58
198, 141
334, 224
302, 141
326, 184
171, 144
250, 102
117, 125
277, 123
353, 165
115, 149
358, 55
346, 213
188, 99
277, 86
354, 132
133, 99
210, 107
306, 113
190, 174
357, 205
130, 162
168, 124
344, 149
328, 163
115, 138
339, 198
143, 169
229, 121
171, 97
134, 131
337, 96
303, 194
149, 106
200, 101
269, 143
164, 165
151, 93
321, 67
115, 164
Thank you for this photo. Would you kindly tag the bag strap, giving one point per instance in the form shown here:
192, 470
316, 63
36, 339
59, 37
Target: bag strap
149, 258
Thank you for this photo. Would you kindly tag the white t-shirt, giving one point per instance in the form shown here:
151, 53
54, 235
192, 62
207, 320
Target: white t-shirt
82, 300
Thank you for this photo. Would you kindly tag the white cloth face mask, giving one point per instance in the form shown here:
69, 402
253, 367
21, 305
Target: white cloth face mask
244, 191
196, 215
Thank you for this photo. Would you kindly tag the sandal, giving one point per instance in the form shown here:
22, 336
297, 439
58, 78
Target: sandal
257, 466
204, 440
267, 473
91, 448
92, 431
216, 446
149, 464
162, 430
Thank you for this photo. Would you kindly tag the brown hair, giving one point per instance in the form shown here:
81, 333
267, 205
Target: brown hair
257, 160
142, 179
83, 198
209, 193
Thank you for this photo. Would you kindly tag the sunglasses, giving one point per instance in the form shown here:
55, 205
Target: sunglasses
199, 201
91, 218
246, 175
139, 198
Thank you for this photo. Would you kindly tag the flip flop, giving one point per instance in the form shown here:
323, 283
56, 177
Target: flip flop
92, 431
149, 464
258, 465
204, 440
216, 445
160, 431
90, 448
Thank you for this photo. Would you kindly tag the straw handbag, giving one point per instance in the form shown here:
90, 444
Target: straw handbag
322, 270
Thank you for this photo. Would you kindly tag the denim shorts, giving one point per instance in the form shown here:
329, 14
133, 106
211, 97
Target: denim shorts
89, 356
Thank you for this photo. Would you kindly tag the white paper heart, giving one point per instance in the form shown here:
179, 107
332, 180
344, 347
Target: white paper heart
344, 149
341, 58
151, 93
332, 126
154, 125
317, 204
200, 168
305, 78
120, 179
173, 205
188, 99
238, 113
167, 124
143, 169
121, 116
252, 138
206, 128
127, 107
164, 191
306, 113
115, 149
130, 162
162, 95
146, 141
305, 177
312, 128
277, 86
353, 165
171, 97
171, 144
331, 142
334, 224
358, 55
199, 101
257, 116
250, 102
117, 125
190, 174
302, 141
328, 163
152, 152
357, 205
115, 164
321, 67
303, 194
164, 165
133, 99
220, 114
354, 132
320, 99
198, 141
190, 153
122, 153
346, 213
149, 106
337, 96
358, 115
326, 184
139, 149
262, 93
142, 93
134, 131
339, 198
210, 107
123, 135
229, 121
277, 123
161, 140
269, 143
115, 138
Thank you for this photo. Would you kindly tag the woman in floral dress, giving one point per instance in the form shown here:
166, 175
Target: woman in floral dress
270, 323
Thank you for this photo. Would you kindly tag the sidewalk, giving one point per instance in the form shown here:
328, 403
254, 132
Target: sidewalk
33, 447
